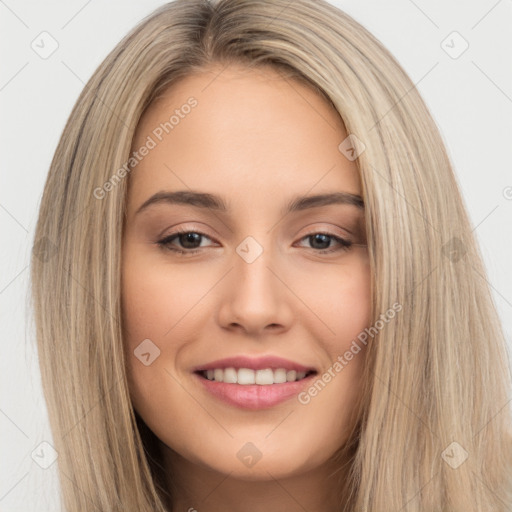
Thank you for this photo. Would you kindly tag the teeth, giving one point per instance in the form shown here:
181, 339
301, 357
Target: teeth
264, 377
279, 376
230, 375
246, 376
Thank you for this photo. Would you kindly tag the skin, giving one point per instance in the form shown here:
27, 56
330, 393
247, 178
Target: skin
257, 140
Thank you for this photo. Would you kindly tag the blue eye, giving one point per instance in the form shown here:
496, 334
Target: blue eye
189, 241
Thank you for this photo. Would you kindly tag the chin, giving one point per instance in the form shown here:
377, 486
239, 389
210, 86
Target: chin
250, 464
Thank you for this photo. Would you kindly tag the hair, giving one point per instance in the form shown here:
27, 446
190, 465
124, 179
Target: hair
437, 374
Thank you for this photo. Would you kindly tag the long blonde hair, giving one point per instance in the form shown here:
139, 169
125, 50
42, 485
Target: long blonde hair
437, 377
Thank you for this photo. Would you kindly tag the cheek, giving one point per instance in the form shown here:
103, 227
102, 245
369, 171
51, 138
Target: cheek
350, 312
340, 297
345, 310
335, 393
156, 302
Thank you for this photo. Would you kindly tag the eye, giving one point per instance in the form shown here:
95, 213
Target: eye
323, 239
190, 242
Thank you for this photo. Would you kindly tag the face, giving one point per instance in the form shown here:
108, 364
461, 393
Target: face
235, 304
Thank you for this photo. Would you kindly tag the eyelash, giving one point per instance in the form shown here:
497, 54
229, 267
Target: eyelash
345, 245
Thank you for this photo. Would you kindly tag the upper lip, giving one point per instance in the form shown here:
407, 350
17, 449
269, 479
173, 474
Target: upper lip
254, 363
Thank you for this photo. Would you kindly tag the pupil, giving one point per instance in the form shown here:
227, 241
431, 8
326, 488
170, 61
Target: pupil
321, 237
189, 237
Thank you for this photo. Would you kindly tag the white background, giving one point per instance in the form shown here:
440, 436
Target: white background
470, 98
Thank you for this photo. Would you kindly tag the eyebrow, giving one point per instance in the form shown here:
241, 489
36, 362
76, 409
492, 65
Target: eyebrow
217, 203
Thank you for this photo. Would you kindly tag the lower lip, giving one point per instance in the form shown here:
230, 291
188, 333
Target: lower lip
254, 396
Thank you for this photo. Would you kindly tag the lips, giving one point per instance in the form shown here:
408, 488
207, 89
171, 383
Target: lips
254, 383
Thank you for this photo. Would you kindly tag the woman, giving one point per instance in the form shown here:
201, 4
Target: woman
198, 349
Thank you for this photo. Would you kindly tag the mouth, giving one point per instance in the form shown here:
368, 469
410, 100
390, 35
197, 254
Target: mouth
255, 384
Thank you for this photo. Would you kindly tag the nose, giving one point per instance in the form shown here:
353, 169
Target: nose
256, 298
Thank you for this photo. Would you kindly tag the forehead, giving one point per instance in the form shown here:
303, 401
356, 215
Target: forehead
251, 135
